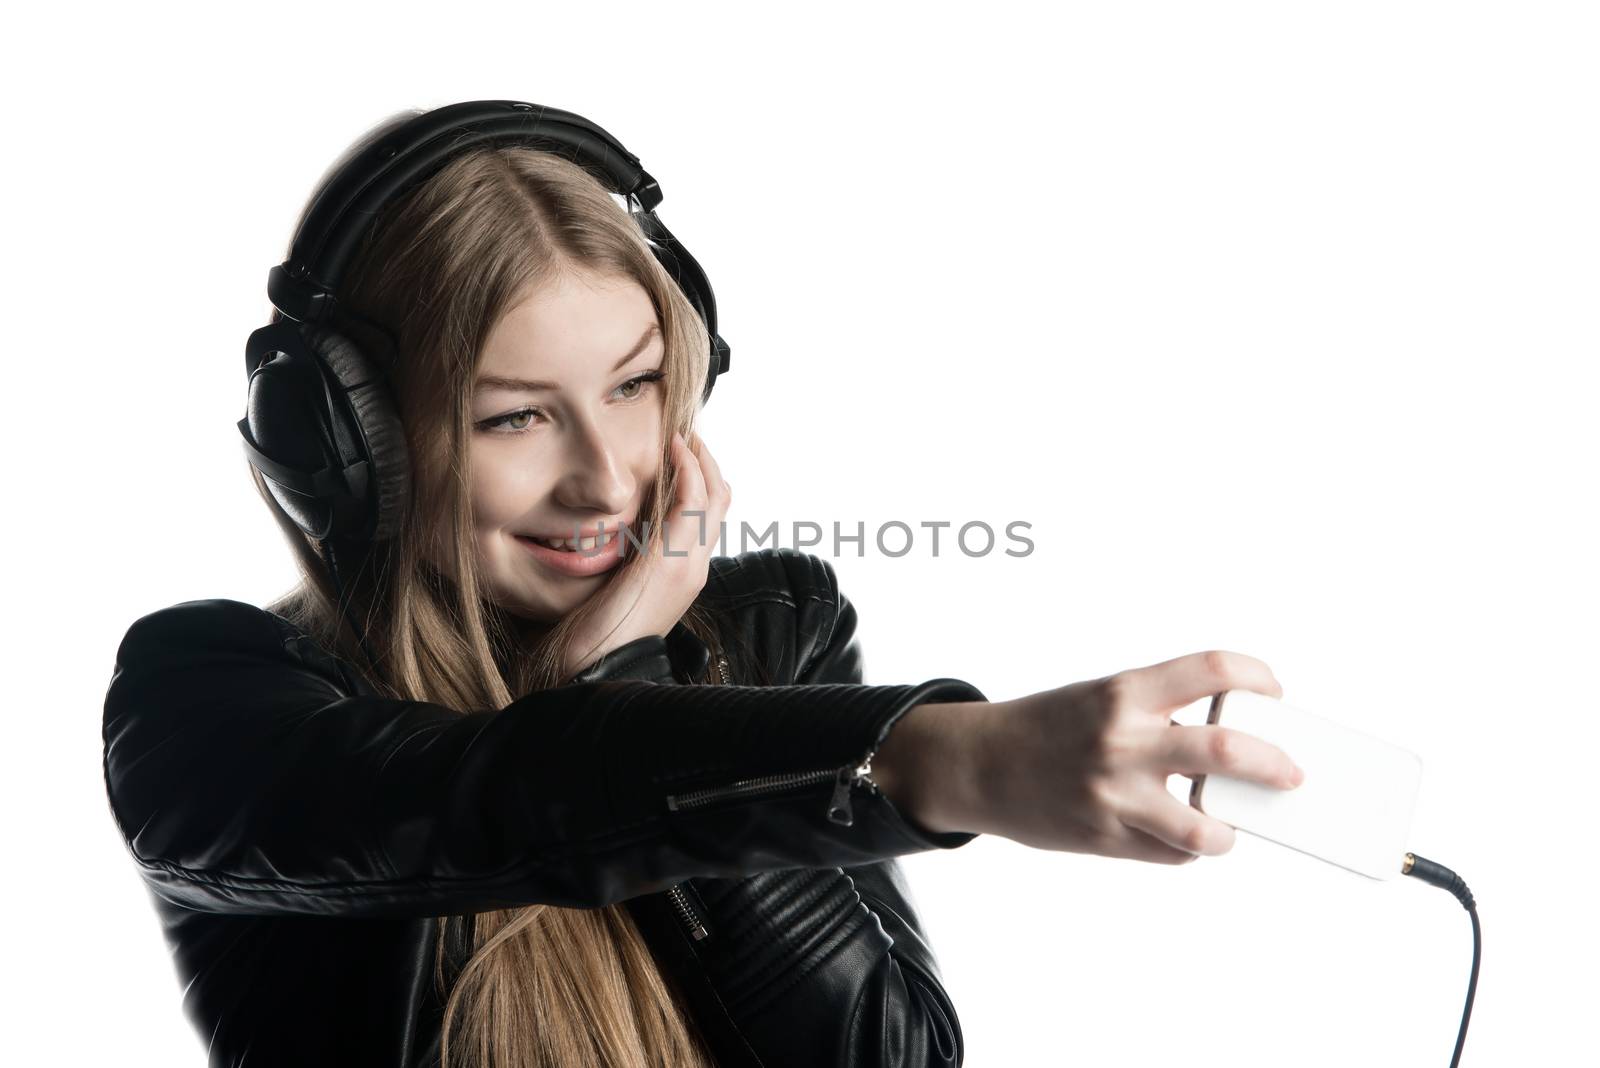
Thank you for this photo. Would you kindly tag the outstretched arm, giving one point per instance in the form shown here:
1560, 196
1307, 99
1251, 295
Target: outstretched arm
247, 778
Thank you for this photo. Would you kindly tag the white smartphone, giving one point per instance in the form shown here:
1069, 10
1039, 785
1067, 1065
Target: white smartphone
1354, 808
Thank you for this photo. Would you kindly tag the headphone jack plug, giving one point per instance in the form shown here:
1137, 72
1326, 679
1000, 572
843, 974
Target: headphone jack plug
1439, 875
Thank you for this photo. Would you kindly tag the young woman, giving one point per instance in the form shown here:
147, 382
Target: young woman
494, 802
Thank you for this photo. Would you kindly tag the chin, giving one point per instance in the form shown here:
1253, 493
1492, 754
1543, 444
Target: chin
542, 615
550, 609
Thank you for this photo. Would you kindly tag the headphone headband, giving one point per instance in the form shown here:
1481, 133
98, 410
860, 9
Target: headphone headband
302, 286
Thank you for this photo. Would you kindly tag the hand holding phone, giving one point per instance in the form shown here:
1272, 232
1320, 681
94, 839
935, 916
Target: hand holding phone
1354, 808
1083, 768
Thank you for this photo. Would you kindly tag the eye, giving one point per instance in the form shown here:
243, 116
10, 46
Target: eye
508, 419
641, 381
519, 421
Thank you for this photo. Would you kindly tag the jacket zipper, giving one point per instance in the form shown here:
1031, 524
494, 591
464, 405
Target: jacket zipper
694, 926
839, 807
692, 923
844, 779
840, 810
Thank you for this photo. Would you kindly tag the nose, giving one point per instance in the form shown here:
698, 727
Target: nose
596, 480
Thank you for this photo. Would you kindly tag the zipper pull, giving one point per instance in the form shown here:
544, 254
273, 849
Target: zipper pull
839, 810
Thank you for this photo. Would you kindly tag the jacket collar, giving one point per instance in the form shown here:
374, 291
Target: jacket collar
689, 654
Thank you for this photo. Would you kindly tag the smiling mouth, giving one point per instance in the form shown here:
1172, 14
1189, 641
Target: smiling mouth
567, 545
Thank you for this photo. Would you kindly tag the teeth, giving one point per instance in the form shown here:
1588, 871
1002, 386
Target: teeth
568, 545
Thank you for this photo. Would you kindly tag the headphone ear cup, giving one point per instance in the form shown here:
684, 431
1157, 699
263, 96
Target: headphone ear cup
321, 411
372, 425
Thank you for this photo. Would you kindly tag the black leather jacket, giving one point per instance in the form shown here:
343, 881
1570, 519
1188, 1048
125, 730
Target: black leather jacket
299, 834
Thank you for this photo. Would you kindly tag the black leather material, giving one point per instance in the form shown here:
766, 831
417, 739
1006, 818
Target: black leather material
300, 834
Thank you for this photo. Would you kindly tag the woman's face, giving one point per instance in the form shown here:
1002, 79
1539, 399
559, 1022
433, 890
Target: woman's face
566, 436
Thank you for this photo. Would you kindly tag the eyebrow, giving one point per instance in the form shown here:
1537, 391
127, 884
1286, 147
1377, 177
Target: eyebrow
488, 382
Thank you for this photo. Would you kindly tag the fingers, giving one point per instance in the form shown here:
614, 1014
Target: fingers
719, 493
1208, 749
715, 483
1172, 684
691, 477
1137, 845
1179, 827
678, 531
701, 490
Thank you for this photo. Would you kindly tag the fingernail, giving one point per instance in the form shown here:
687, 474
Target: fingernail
1298, 776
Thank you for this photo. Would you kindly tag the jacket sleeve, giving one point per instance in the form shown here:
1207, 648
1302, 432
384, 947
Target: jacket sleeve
247, 779
828, 965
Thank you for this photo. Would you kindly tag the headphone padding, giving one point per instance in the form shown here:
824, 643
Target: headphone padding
379, 425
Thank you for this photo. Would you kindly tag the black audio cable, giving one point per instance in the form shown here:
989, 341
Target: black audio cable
1439, 875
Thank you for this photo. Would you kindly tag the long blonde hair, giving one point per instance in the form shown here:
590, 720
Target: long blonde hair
544, 986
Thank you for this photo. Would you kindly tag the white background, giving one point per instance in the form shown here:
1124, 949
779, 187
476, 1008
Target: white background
1276, 321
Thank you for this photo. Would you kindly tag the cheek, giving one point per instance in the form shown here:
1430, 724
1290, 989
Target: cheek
646, 447
504, 486
646, 459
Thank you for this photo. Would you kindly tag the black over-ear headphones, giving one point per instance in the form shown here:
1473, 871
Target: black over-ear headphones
320, 424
